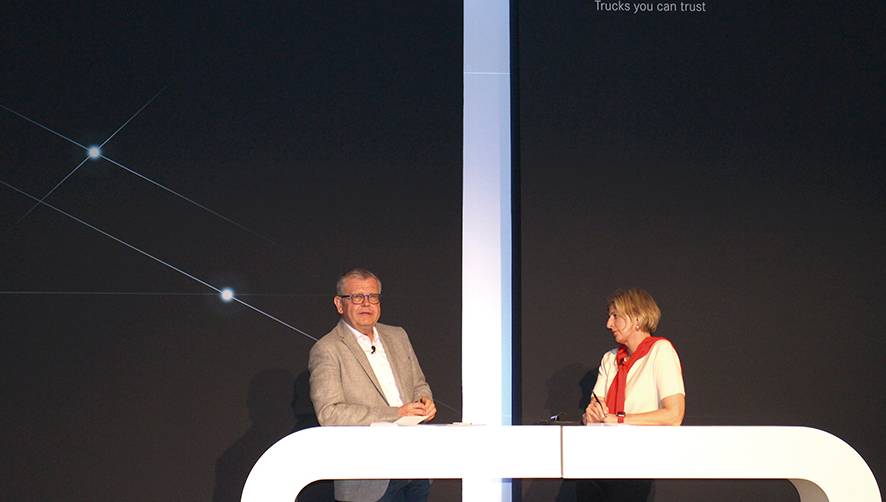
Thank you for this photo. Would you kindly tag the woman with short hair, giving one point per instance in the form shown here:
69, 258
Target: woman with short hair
640, 382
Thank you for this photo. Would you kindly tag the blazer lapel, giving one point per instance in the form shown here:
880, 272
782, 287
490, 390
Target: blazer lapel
347, 337
396, 358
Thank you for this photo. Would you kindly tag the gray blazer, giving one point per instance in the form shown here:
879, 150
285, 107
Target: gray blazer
345, 391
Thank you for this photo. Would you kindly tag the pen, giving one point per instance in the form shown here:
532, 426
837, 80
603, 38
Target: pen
599, 402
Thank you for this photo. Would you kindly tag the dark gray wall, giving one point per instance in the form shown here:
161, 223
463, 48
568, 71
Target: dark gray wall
731, 163
332, 133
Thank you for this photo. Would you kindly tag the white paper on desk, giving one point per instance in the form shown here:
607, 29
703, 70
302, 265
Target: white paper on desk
411, 420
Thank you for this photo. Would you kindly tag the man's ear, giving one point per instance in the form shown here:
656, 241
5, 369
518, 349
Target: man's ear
338, 306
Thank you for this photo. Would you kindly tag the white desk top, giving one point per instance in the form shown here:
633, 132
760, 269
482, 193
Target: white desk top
821, 466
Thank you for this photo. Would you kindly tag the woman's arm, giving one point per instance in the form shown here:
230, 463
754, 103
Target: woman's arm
671, 413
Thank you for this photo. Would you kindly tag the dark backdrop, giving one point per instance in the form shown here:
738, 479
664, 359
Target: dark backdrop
730, 162
329, 132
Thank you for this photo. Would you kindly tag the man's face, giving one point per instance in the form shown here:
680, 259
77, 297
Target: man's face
363, 316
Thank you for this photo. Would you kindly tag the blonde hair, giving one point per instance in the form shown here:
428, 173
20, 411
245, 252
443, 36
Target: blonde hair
639, 305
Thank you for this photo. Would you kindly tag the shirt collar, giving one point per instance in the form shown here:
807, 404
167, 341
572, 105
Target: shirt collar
363, 339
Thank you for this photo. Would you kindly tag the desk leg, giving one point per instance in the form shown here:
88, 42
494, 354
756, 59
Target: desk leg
809, 491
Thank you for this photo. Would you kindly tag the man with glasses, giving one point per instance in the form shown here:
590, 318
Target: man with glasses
364, 372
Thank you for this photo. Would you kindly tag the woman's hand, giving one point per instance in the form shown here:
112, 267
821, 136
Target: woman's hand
595, 413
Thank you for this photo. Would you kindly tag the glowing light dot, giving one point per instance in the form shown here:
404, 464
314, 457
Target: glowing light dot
227, 294
94, 152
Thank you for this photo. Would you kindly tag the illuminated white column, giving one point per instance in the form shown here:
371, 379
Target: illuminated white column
486, 228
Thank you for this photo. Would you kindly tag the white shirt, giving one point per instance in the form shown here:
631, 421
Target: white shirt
380, 365
652, 378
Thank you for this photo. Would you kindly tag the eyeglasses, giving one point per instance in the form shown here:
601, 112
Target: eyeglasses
359, 298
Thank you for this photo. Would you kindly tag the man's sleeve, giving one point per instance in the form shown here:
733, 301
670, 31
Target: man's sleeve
328, 396
420, 387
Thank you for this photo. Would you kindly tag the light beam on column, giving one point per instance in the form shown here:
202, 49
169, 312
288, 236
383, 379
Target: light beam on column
486, 228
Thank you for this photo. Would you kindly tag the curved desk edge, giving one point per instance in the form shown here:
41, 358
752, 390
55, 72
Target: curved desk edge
429, 451
821, 466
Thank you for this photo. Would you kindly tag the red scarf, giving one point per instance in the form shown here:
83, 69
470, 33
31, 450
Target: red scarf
615, 398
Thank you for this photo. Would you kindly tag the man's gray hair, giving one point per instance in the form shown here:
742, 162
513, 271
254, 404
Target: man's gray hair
362, 273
